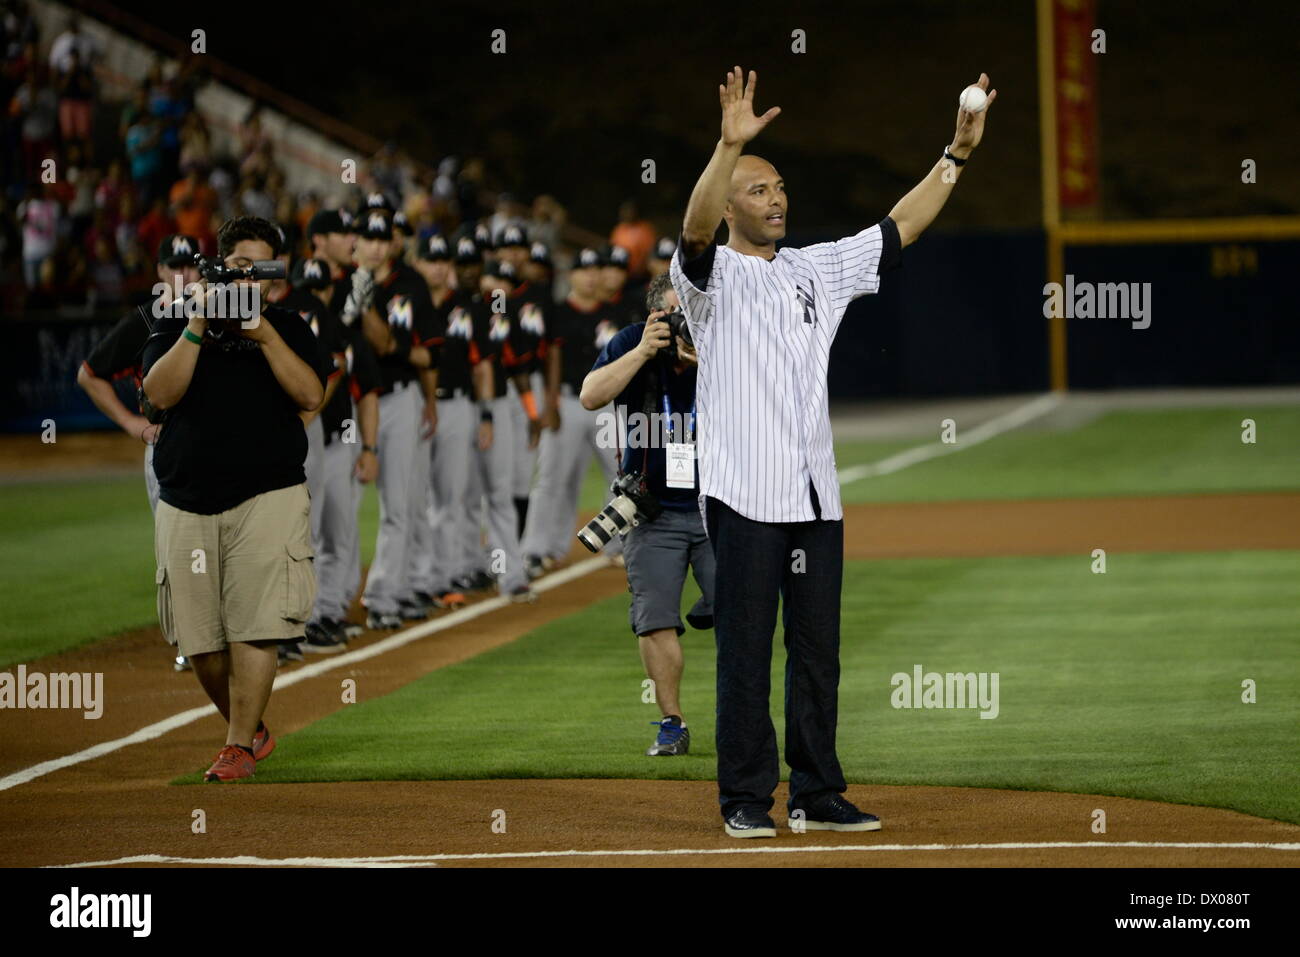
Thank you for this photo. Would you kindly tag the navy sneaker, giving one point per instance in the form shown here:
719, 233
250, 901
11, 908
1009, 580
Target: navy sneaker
673, 737
830, 812
749, 822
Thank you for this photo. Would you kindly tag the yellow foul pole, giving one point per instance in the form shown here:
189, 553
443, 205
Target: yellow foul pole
1051, 191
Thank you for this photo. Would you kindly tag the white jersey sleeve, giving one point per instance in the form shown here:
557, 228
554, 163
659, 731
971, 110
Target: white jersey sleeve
851, 267
697, 284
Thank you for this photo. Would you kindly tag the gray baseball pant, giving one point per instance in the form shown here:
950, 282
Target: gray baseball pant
398, 435
338, 556
562, 466
497, 505
452, 453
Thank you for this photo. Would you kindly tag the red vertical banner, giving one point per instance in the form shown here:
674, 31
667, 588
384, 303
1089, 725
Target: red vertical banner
1078, 166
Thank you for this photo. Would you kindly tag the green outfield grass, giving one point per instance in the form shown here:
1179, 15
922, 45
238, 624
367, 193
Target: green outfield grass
1147, 452
1127, 683
78, 555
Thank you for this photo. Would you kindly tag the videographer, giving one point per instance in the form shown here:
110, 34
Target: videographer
232, 531
646, 370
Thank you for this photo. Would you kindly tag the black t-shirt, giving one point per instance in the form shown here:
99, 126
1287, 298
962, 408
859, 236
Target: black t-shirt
456, 338
581, 335
650, 457
118, 354
235, 433
403, 299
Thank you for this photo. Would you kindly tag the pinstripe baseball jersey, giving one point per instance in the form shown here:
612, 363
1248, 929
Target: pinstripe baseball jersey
763, 331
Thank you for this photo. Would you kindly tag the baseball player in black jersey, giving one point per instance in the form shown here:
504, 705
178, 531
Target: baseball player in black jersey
623, 299
530, 304
398, 324
119, 354
437, 560
507, 351
538, 269
309, 276
582, 325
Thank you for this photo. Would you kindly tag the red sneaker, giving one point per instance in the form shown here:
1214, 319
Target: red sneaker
263, 743
232, 764
452, 599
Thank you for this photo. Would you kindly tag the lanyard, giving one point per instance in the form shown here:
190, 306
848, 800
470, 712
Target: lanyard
668, 420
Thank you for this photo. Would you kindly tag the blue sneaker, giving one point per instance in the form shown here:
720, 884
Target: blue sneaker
673, 737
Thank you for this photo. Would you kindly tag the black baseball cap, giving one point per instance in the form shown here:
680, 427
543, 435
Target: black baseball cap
434, 249
467, 251
588, 258
377, 200
500, 269
483, 236
665, 248
401, 224
328, 221
177, 250
374, 224
540, 253
614, 256
512, 235
310, 273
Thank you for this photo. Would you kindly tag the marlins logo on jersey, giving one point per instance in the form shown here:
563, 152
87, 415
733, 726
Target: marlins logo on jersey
311, 269
400, 312
500, 329
532, 319
460, 324
604, 332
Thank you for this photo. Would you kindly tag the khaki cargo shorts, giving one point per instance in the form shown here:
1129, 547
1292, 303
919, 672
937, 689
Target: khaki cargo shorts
246, 574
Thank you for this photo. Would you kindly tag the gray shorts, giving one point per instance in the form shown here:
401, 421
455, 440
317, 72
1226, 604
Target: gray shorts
657, 555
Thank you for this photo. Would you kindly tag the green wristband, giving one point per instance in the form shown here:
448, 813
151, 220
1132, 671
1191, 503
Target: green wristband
197, 340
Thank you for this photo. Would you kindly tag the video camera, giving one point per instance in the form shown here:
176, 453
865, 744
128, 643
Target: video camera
214, 269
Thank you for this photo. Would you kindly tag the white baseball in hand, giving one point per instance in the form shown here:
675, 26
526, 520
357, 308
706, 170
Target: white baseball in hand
973, 99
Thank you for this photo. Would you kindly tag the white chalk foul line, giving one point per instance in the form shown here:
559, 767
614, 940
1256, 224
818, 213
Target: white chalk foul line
410, 860
981, 433
405, 637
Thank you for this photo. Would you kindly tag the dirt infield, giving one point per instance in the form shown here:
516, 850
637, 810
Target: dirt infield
120, 805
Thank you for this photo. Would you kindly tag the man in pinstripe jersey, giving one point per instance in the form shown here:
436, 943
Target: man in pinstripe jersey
763, 321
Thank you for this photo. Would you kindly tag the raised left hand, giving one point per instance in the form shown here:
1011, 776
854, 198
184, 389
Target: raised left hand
970, 126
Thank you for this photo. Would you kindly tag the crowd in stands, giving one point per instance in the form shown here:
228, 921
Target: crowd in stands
89, 185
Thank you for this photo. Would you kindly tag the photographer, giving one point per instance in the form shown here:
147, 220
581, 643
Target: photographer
232, 531
642, 369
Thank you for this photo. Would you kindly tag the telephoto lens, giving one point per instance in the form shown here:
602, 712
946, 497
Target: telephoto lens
614, 519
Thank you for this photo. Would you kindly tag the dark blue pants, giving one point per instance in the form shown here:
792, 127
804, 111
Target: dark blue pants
757, 562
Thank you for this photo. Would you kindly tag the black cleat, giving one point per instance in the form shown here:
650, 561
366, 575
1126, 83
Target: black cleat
830, 812
322, 640
287, 651
376, 621
749, 822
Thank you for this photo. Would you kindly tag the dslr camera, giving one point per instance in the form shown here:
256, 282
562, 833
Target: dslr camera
631, 506
677, 326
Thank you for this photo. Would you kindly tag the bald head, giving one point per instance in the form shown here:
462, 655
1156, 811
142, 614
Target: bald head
750, 170
756, 205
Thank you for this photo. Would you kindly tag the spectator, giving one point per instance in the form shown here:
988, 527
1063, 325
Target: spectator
144, 150
223, 183
548, 221
126, 230
106, 277
634, 234
136, 107
109, 191
254, 200
155, 225
37, 106
76, 101
170, 109
193, 202
196, 144
39, 216
73, 41
81, 178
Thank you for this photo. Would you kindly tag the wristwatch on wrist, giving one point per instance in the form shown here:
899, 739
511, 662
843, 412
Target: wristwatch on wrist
955, 161
370, 448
